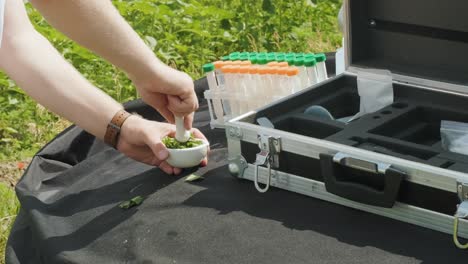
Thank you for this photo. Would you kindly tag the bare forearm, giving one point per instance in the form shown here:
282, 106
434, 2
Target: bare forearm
41, 71
98, 26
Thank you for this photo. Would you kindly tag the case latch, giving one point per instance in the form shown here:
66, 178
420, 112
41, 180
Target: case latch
270, 147
462, 212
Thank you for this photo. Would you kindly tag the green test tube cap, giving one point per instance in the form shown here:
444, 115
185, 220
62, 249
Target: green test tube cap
209, 67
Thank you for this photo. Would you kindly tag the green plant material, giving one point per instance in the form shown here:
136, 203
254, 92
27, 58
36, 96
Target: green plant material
194, 178
9, 208
125, 205
172, 143
135, 201
184, 34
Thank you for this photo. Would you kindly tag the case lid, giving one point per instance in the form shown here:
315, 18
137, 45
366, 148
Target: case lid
421, 41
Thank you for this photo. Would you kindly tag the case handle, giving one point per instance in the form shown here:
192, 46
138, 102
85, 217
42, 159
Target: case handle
357, 191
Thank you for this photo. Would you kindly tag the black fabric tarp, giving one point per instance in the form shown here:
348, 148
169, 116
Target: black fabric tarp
71, 191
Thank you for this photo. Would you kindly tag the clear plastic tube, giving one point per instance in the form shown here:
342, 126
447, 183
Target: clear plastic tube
264, 85
275, 81
322, 71
303, 77
218, 73
227, 91
284, 86
216, 95
311, 68
321, 67
243, 91
259, 96
313, 75
236, 86
293, 79
299, 63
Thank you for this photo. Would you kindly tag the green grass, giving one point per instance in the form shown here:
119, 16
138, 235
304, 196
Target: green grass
182, 33
8, 210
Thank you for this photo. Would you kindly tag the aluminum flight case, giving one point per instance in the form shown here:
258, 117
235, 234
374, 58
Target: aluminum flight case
390, 162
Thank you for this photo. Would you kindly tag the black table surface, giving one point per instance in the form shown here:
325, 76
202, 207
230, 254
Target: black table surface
70, 214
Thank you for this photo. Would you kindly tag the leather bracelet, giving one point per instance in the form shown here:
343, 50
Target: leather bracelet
113, 128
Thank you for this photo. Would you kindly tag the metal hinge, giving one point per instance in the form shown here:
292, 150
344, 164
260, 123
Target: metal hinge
237, 166
234, 132
270, 147
462, 211
462, 190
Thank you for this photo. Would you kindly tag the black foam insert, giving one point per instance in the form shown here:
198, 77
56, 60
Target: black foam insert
408, 129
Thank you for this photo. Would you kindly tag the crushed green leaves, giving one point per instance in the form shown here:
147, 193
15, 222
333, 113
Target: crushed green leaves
194, 178
172, 143
137, 200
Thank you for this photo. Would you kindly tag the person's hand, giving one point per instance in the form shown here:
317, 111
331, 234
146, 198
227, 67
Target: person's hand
170, 92
141, 140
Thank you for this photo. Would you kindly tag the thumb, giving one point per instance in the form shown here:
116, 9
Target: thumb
157, 147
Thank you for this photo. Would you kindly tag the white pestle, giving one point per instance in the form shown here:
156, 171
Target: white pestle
181, 135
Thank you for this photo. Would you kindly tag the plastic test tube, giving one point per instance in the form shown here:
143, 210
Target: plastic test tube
311, 68
228, 89
245, 63
209, 70
304, 79
271, 57
293, 81
236, 91
218, 73
280, 56
243, 91
234, 57
244, 57
309, 55
263, 87
321, 67
282, 64
254, 79
260, 97
275, 81
273, 64
262, 60
283, 81
253, 58
290, 59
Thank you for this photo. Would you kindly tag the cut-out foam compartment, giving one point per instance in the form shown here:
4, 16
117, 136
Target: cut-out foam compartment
409, 128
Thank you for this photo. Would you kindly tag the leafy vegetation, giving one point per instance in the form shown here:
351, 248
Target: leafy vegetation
182, 33
172, 143
8, 211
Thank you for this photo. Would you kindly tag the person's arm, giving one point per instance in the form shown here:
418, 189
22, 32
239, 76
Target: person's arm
30, 60
98, 26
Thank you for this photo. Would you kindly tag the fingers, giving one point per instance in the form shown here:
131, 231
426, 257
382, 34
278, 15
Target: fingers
182, 106
204, 162
157, 147
160, 104
168, 115
188, 121
164, 166
198, 134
